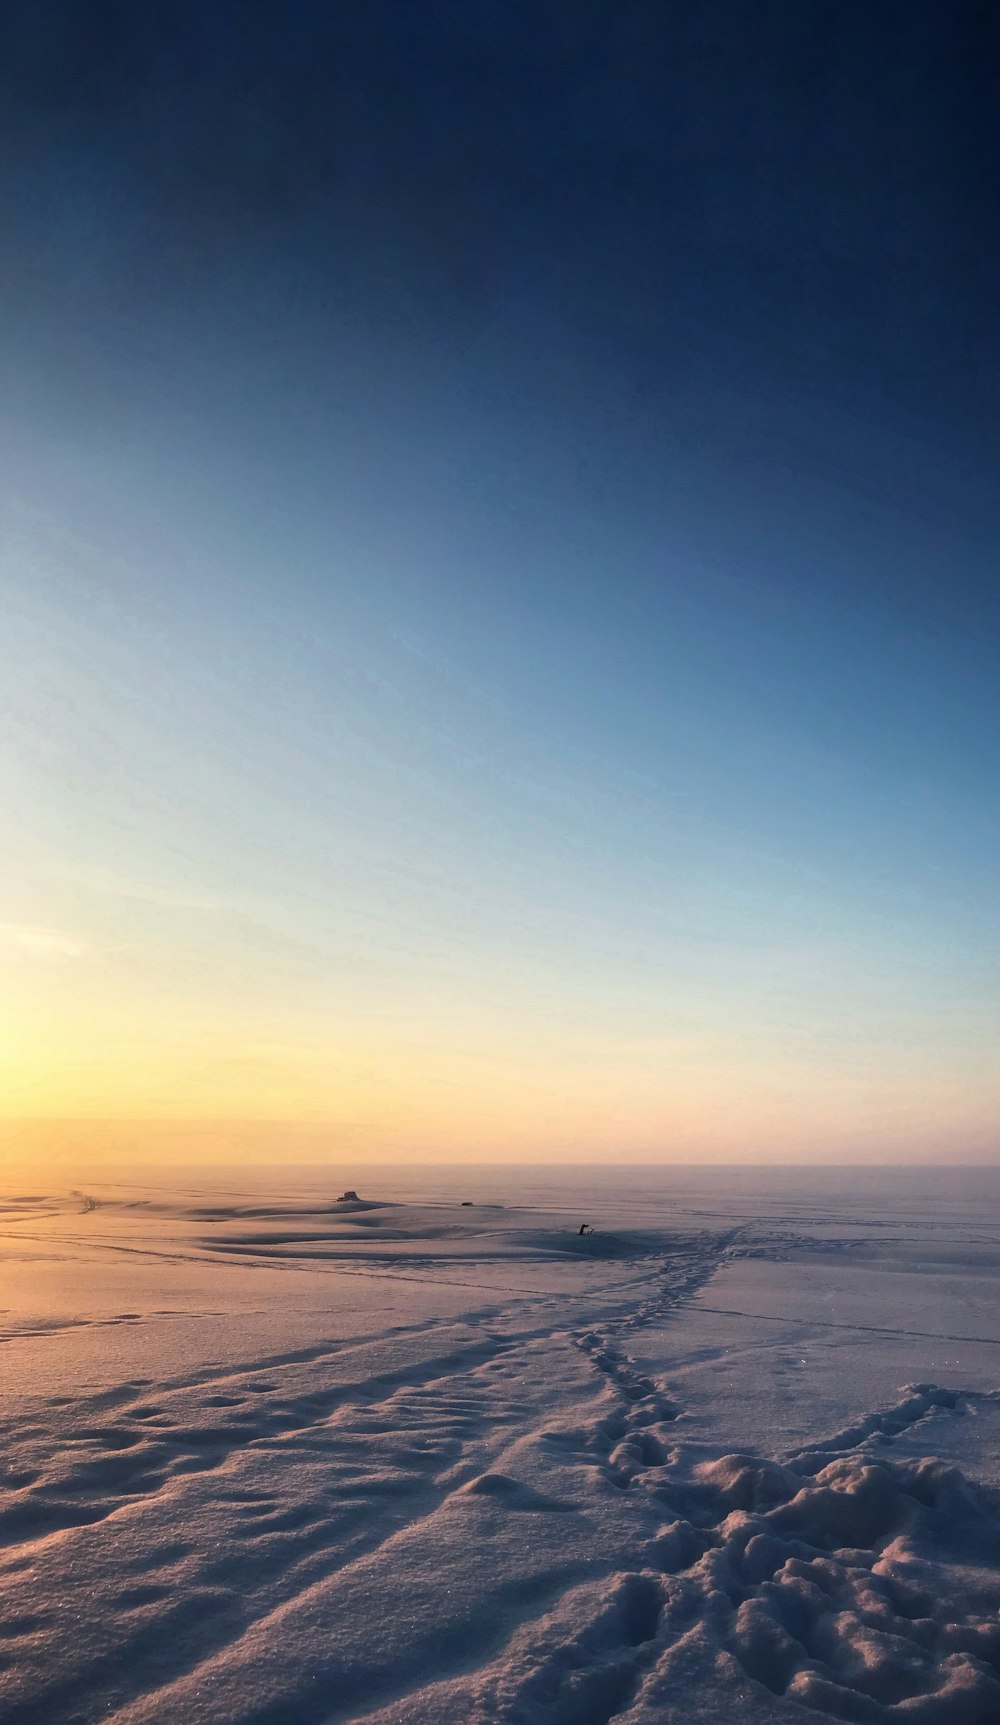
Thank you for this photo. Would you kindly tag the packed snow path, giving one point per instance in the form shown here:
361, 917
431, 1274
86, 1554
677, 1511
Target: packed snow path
431, 1464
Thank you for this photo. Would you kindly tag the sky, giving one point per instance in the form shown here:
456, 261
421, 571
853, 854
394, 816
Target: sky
500, 612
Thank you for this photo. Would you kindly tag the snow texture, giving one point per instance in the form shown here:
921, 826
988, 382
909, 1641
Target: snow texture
275, 1457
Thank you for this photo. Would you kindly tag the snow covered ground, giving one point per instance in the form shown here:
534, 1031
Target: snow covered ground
270, 1459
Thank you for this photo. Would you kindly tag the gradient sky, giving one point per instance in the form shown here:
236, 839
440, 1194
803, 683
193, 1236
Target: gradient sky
500, 615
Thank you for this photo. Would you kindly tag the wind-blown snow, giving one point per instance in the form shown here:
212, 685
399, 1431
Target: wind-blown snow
273, 1459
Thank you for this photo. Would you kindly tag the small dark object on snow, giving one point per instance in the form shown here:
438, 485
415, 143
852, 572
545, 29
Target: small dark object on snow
466, 1203
349, 1197
585, 1228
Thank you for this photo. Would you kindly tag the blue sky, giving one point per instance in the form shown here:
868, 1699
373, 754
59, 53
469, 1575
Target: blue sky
501, 626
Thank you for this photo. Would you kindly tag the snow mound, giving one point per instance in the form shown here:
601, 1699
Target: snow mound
866, 1590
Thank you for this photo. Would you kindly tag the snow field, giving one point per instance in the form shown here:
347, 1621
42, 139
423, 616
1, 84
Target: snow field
480, 1468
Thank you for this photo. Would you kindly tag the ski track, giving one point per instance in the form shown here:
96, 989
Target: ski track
865, 1329
834, 1581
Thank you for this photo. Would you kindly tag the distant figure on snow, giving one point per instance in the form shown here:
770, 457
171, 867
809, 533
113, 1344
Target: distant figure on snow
585, 1228
349, 1197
